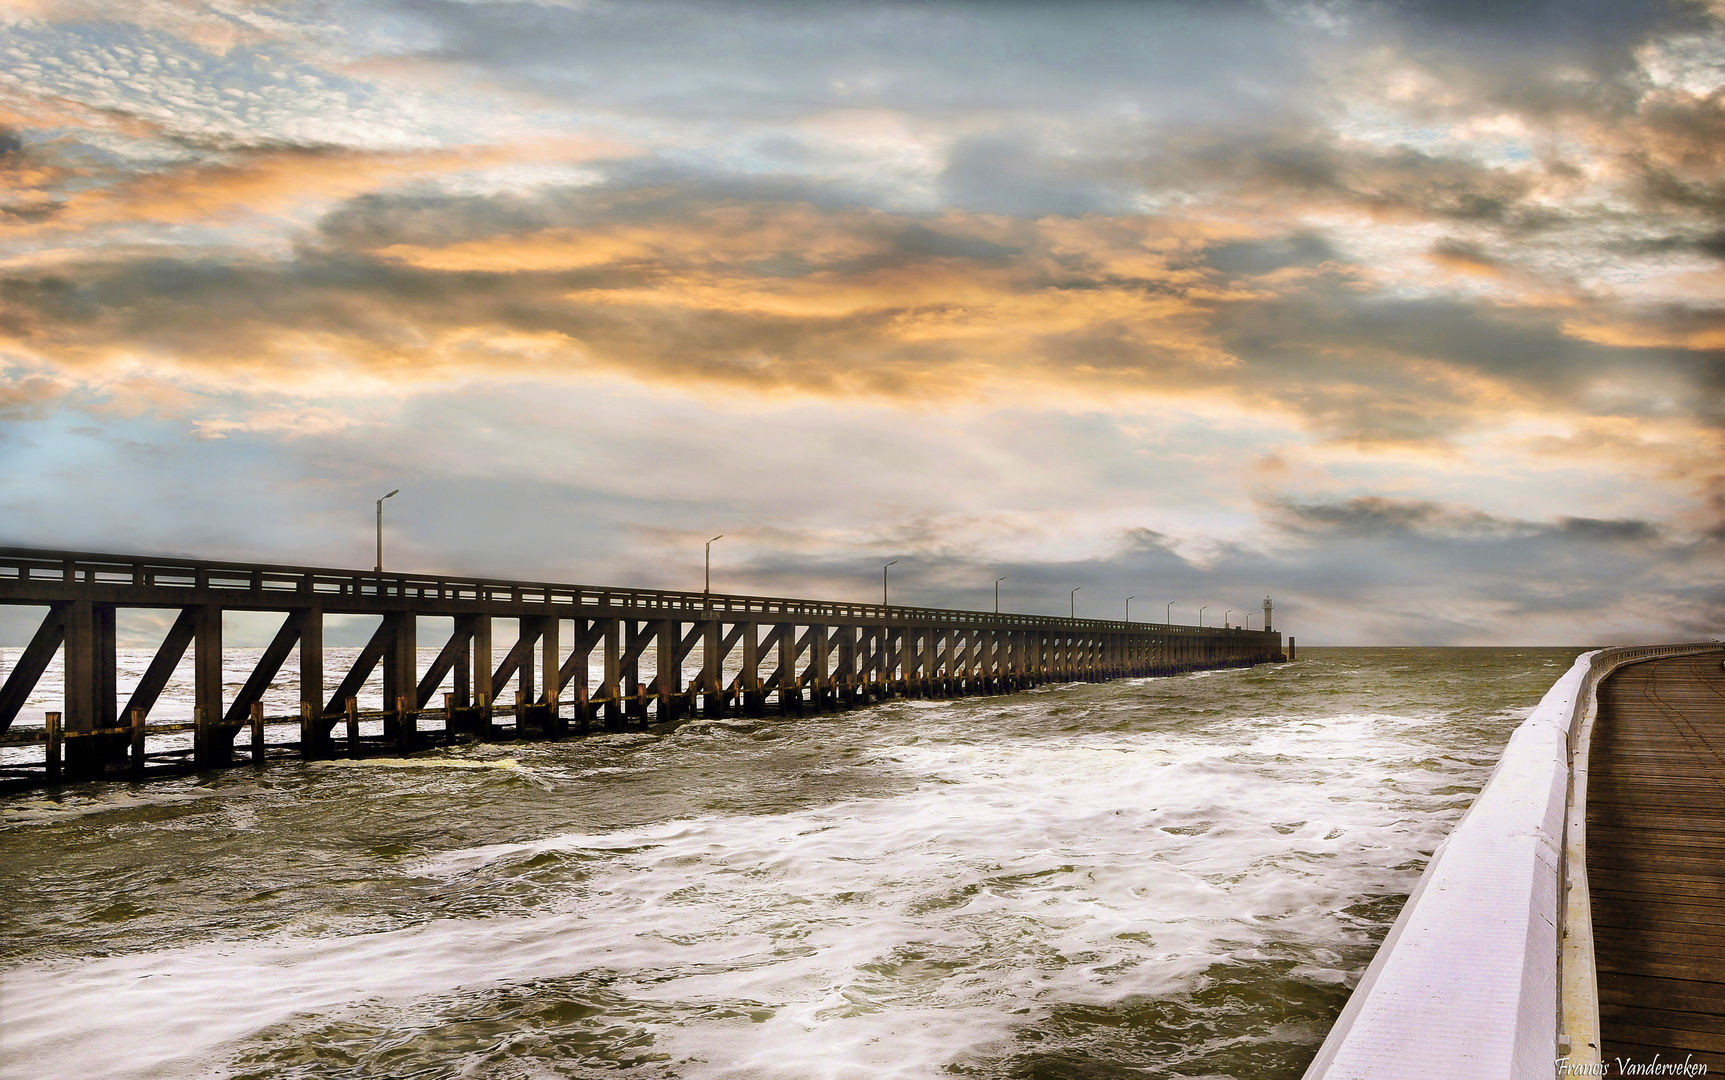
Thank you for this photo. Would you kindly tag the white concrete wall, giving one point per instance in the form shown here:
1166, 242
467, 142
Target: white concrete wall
1465, 985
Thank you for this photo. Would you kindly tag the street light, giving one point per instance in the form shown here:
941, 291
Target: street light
1225, 615
391, 495
1129, 600
709, 587
1073, 599
997, 582
1201, 615
1168, 613
883, 602
1248, 620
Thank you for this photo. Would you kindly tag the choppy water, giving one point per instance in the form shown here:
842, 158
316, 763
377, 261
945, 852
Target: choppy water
1176, 876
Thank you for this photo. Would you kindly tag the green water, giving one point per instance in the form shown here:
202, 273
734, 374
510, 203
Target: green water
1176, 876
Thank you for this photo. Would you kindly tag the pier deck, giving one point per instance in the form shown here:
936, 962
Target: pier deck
1656, 861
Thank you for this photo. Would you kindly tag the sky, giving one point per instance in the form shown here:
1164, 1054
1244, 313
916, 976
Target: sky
1408, 314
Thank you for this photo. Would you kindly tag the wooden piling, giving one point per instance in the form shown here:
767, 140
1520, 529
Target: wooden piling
406, 724
258, 751
137, 762
351, 709
56, 740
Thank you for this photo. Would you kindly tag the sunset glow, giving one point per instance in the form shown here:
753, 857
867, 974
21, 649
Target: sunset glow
1409, 314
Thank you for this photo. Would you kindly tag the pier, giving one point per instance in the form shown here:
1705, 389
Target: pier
1573, 922
750, 655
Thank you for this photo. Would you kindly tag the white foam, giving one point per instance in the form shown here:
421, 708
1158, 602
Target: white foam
1018, 865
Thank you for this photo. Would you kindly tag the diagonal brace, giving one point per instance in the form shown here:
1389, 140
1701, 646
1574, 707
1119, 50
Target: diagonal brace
30, 666
268, 664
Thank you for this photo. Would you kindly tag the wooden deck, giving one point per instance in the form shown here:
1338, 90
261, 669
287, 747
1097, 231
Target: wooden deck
1656, 862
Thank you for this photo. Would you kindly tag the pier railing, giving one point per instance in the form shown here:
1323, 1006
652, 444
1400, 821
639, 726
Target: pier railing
28, 572
1488, 972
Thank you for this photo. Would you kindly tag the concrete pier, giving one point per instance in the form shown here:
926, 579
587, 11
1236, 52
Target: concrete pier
792, 656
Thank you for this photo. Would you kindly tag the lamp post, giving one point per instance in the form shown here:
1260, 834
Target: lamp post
1072, 598
1201, 615
1225, 615
1248, 620
709, 586
1129, 600
997, 582
883, 602
1168, 613
391, 495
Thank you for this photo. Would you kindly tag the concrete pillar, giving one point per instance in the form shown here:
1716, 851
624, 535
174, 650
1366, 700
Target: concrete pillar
907, 656
749, 678
484, 695
788, 671
612, 688
712, 671
550, 658
314, 729
91, 701
669, 636
820, 660
212, 745
632, 633
400, 667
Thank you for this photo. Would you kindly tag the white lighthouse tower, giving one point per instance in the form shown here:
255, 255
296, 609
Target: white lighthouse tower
1267, 607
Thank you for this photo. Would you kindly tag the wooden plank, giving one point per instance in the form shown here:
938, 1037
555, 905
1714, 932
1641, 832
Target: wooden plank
1656, 861
1641, 1016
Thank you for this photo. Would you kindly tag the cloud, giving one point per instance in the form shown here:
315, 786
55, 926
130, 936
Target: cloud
1030, 288
692, 281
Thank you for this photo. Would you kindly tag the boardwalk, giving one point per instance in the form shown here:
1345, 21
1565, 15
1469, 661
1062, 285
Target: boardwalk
1656, 861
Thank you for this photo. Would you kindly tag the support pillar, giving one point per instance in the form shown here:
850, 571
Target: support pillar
213, 744
484, 696
712, 672
314, 729
749, 678
670, 669
820, 659
788, 672
400, 667
90, 695
612, 689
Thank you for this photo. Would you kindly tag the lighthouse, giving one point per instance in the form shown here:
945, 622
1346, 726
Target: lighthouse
1267, 607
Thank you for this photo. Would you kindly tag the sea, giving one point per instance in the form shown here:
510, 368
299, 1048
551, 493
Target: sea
1180, 876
